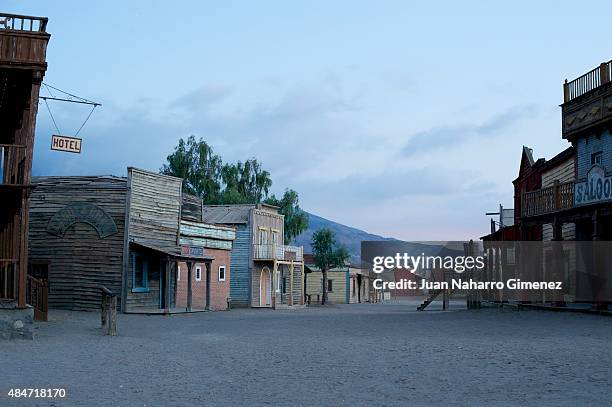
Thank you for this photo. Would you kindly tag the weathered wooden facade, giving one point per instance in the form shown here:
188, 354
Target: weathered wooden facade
265, 272
569, 197
128, 235
23, 44
338, 283
360, 285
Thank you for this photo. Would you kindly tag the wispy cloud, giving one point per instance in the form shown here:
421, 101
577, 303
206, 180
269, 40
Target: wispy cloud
450, 136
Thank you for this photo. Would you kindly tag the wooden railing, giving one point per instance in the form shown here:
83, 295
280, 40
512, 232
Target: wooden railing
23, 23
277, 252
9, 279
587, 82
547, 200
12, 164
108, 316
37, 295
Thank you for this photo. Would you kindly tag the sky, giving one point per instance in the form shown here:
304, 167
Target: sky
404, 119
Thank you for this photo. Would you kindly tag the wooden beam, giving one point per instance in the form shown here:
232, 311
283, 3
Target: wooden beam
291, 268
167, 282
189, 285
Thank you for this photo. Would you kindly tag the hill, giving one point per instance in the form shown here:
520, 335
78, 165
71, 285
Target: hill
347, 236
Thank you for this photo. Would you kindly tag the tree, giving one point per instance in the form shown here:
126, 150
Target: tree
327, 255
247, 180
296, 220
200, 168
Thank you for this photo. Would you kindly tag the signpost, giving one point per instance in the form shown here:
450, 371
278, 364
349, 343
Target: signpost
64, 143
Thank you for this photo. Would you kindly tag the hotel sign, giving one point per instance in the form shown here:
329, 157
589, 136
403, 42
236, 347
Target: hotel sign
596, 188
64, 143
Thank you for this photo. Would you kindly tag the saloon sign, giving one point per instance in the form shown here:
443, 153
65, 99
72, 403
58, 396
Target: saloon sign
596, 188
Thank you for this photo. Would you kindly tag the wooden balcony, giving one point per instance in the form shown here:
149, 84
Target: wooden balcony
278, 252
12, 165
587, 102
23, 41
548, 200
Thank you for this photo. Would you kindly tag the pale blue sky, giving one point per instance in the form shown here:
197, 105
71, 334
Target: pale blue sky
402, 118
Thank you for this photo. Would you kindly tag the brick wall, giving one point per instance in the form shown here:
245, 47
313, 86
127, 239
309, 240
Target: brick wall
219, 290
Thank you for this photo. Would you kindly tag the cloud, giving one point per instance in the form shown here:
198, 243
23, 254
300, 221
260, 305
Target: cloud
449, 136
203, 98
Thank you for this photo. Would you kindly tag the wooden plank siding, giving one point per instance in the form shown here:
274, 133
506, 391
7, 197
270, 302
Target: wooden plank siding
81, 260
155, 207
240, 264
154, 219
339, 278
561, 173
192, 208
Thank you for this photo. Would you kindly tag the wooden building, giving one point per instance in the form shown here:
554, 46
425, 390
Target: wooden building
338, 283
265, 272
360, 285
569, 197
125, 234
23, 44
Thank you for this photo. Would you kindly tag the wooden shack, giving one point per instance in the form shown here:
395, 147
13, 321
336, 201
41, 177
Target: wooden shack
124, 234
338, 283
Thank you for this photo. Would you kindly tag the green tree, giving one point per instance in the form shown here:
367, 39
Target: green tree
296, 220
327, 255
247, 181
200, 168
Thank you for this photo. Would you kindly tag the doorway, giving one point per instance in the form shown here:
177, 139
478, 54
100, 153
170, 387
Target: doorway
265, 291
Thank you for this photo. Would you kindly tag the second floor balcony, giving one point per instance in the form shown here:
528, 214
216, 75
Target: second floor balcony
23, 41
278, 252
587, 102
555, 198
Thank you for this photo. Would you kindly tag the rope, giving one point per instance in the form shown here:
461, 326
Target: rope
52, 118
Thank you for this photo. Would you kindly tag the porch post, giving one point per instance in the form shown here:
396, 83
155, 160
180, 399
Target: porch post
291, 268
167, 282
189, 285
273, 287
208, 277
303, 283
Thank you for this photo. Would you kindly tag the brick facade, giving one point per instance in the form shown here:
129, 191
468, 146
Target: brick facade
219, 290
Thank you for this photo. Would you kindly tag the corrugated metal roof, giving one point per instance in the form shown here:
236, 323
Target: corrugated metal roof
226, 214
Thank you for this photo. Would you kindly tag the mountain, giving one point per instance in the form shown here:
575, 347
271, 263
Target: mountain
345, 235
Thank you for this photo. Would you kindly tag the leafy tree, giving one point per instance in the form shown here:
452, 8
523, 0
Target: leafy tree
249, 180
327, 255
296, 220
205, 175
200, 168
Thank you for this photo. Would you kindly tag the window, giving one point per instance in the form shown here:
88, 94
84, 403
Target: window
263, 236
221, 273
178, 273
330, 285
596, 158
274, 237
198, 273
140, 271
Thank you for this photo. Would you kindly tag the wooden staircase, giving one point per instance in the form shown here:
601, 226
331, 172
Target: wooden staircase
429, 300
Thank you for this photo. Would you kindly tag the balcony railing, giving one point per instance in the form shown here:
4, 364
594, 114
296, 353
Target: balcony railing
548, 200
23, 23
587, 82
278, 252
12, 164
8, 279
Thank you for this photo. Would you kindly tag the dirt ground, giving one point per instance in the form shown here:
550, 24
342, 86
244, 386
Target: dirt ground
342, 355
